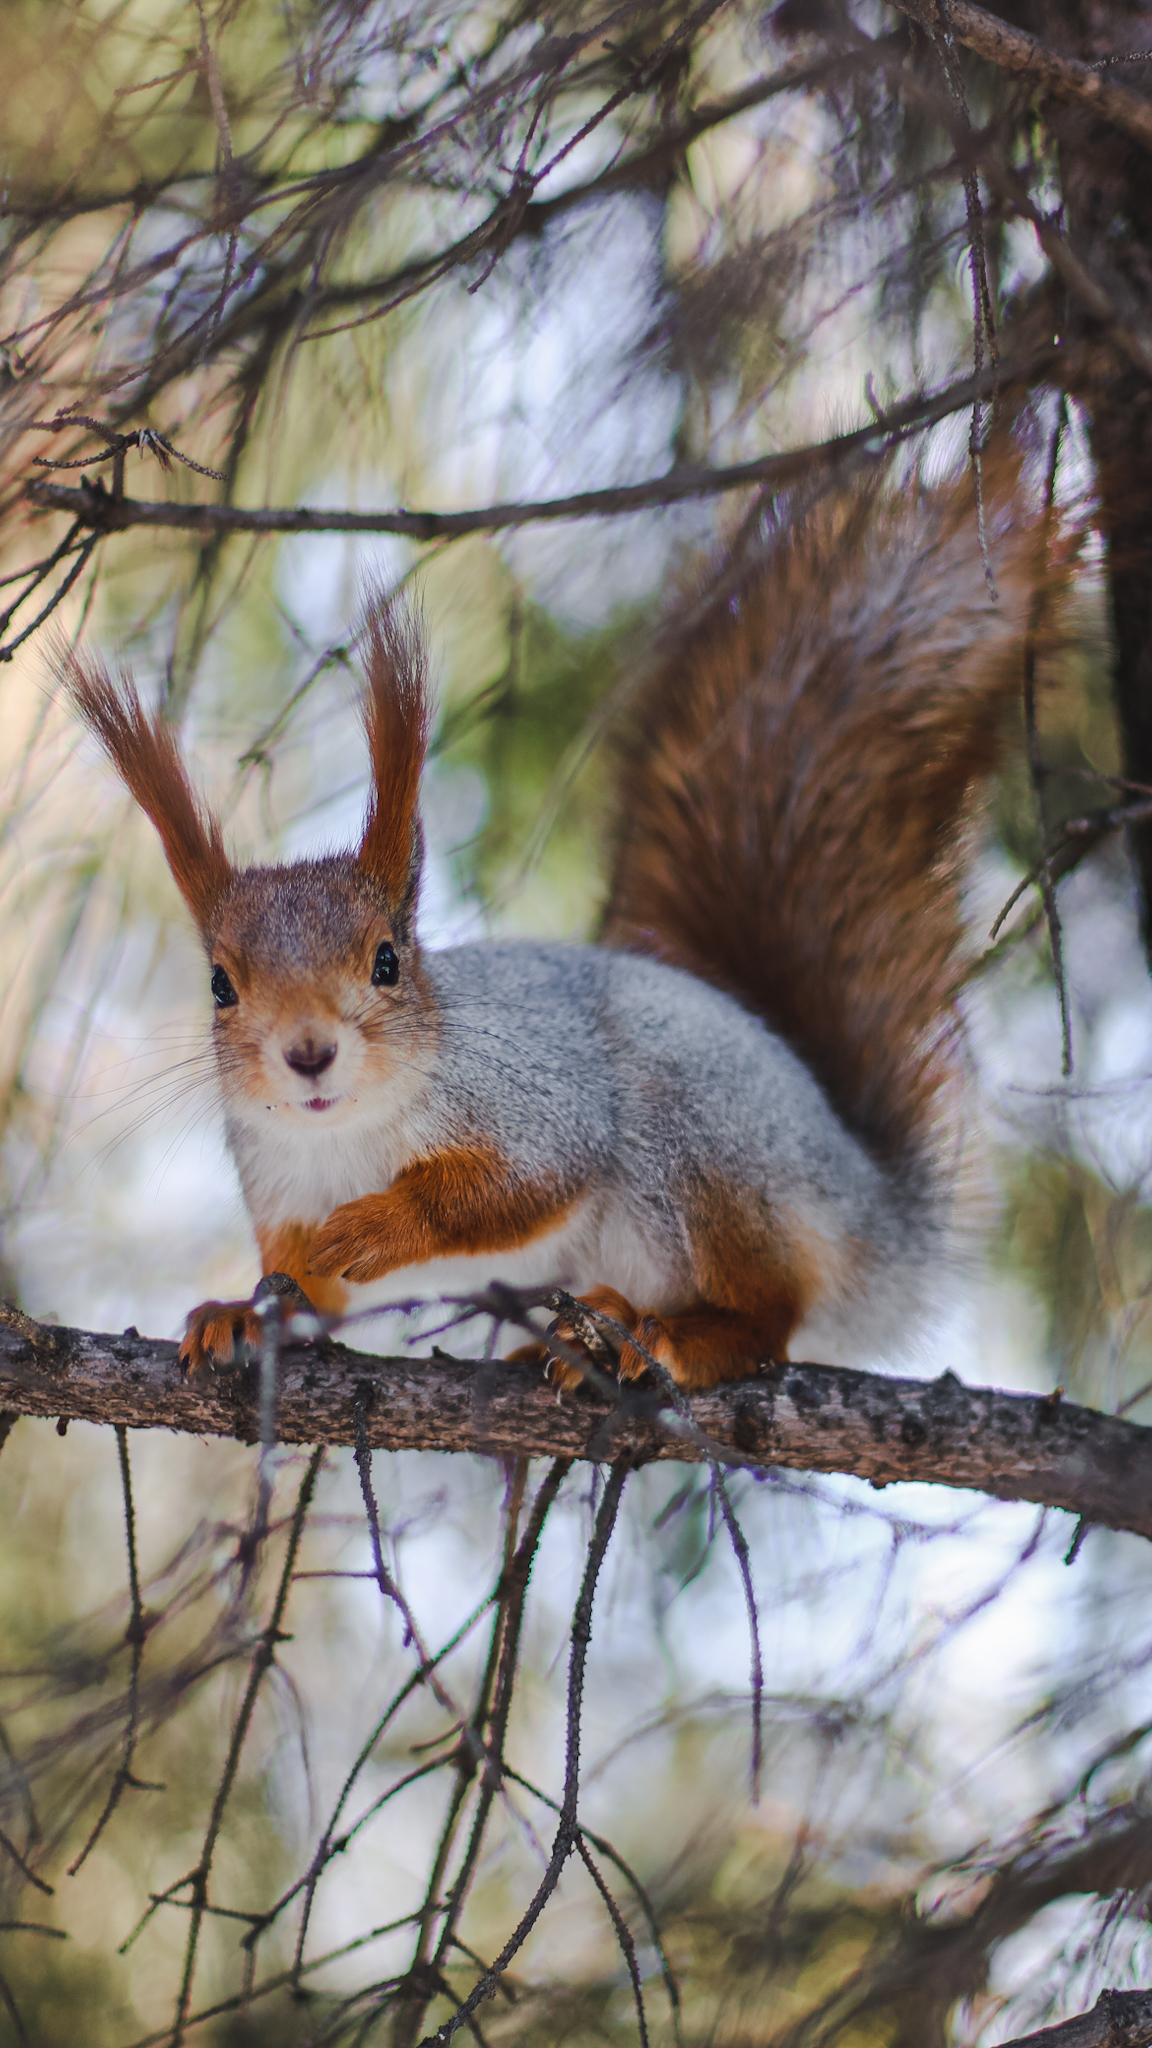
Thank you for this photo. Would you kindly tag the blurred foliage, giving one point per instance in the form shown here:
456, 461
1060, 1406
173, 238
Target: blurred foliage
534, 735
1086, 1249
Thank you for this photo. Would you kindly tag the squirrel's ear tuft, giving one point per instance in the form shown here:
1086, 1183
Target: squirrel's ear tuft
396, 717
144, 751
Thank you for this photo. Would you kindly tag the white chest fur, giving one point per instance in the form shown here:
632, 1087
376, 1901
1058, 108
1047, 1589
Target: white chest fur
294, 1171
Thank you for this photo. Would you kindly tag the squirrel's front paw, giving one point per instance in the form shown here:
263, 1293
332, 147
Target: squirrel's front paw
218, 1333
349, 1243
586, 1335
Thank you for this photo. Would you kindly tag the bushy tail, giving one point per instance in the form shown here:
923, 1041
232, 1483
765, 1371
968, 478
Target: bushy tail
800, 774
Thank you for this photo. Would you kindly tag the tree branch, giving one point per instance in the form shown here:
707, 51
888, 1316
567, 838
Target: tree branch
1024, 57
818, 1418
110, 514
1119, 2019
647, 168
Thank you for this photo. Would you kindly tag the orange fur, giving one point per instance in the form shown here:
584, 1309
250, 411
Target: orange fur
753, 1261
457, 1202
396, 718
145, 753
756, 1284
217, 1330
704, 1346
286, 1249
799, 777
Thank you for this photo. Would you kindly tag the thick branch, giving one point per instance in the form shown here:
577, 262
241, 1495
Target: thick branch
818, 1418
1022, 55
1119, 2019
777, 472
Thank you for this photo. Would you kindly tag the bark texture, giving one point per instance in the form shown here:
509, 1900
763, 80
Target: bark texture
816, 1418
1119, 2019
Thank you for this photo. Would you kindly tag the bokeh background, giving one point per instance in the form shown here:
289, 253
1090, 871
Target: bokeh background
230, 225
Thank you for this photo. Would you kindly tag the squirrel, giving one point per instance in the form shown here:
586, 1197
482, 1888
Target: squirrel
728, 1119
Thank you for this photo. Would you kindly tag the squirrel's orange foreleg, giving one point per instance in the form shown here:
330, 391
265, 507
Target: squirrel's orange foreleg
464, 1200
218, 1331
458, 1201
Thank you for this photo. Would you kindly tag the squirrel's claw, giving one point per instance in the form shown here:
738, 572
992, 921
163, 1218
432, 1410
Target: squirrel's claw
562, 1374
602, 1347
220, 1333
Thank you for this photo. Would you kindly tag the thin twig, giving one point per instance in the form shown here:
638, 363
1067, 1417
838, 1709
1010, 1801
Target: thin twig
567, 1830
744, 1565
77, 569
25, 1868
263, 1659
514, 1587
135, 1635
329, 1844
677, 486
1076, 839
1036, 766
384, 1579
643, 1899
983, 315
622, 1932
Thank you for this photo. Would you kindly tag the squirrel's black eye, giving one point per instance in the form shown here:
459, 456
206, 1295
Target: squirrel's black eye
385, 967
223, 990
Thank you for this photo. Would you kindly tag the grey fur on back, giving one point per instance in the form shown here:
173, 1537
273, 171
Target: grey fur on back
639, 1083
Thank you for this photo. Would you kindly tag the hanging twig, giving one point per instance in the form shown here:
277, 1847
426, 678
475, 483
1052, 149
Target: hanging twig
565, 1839
744, 1566
135, 1636
264, 1656
491, 1711
1036, 766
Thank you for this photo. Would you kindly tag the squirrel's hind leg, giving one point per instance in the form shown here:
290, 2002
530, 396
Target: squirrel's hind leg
704, 1346
700, 1346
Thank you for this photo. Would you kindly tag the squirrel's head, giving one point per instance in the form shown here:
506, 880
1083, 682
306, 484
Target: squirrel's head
314, 969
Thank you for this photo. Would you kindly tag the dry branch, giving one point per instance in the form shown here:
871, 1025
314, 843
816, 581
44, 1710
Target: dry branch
810, 1417
107, 513
1012, 50
1119, 2019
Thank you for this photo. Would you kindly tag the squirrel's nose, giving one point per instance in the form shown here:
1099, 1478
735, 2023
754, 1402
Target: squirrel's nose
309, 1058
